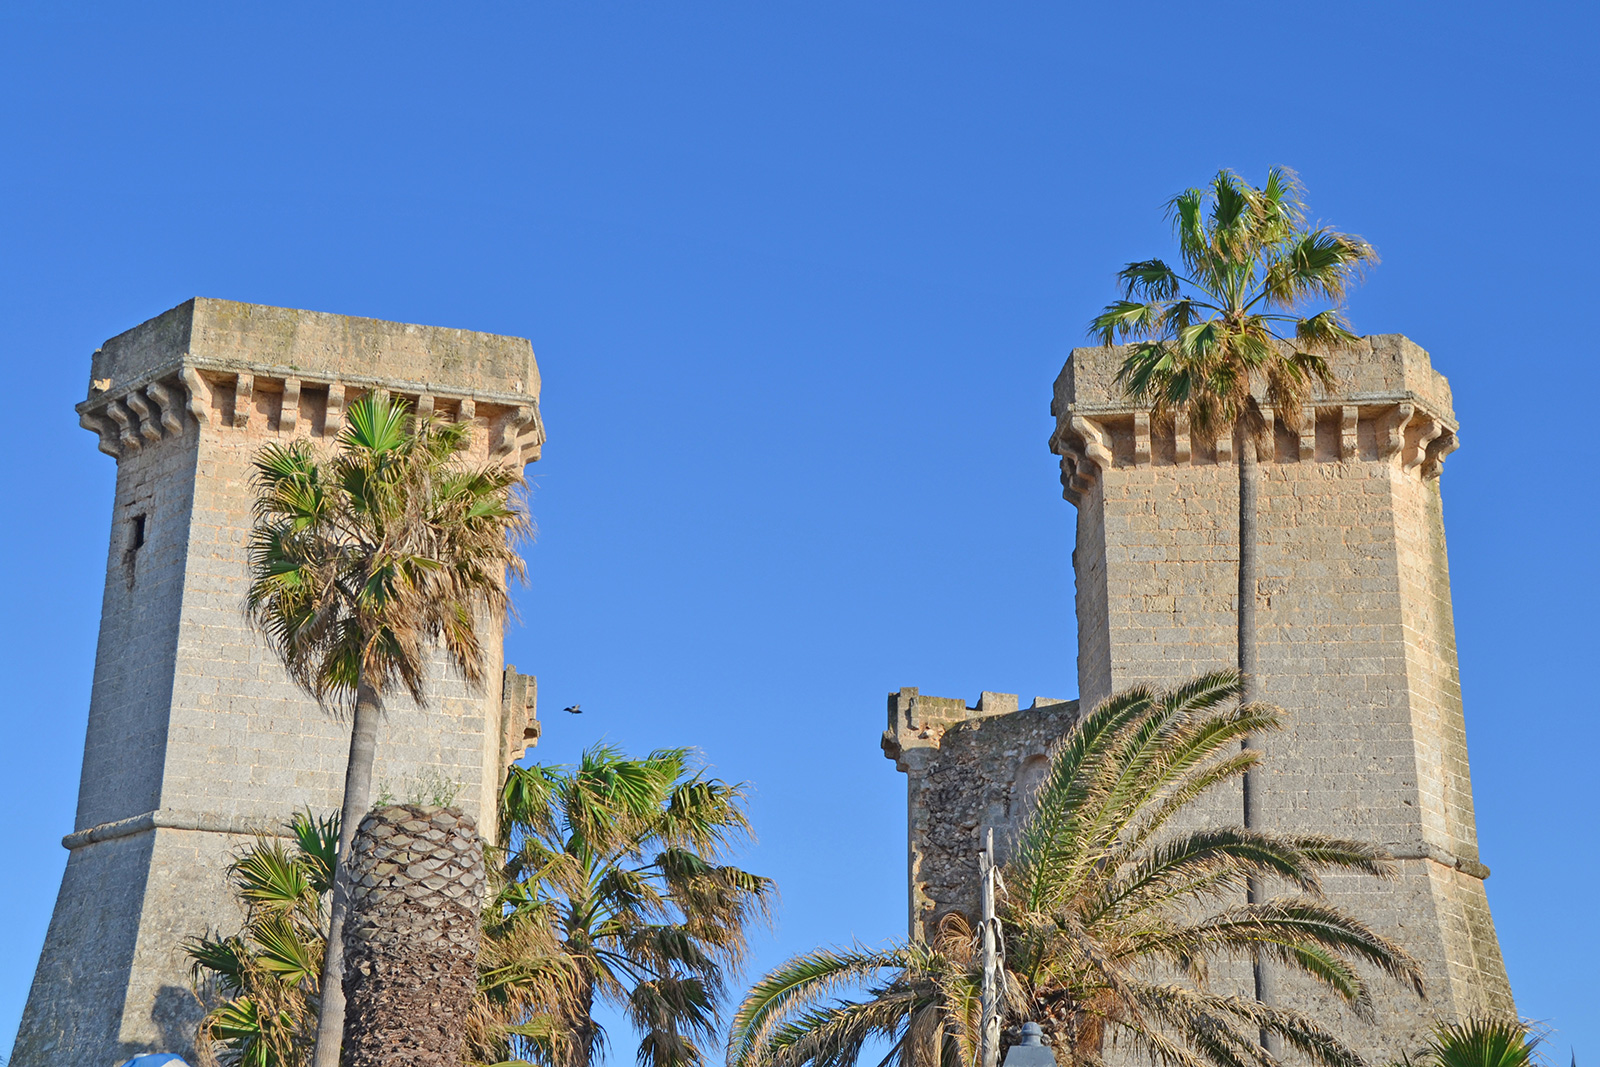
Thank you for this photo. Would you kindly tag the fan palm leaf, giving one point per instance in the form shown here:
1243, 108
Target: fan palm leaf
623, 862
1483, 1041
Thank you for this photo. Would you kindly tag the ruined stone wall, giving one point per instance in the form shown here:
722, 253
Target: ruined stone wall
197, 738
968, 770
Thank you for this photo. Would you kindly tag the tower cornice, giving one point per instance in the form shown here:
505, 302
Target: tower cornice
1386, 383
211, 362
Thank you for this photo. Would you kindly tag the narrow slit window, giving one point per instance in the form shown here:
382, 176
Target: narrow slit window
137, 541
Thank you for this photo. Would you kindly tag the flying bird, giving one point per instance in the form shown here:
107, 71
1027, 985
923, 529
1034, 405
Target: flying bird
575, 709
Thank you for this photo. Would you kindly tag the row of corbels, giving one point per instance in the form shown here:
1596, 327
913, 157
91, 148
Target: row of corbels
148, 413
1084, 443
143, 414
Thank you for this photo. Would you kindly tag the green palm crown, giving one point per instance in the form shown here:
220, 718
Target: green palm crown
616, 868
360, 560
1233, 324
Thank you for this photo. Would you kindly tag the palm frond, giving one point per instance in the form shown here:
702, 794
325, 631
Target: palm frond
1102, 896
797, 985
1208, 343
268, 877
284, 953
317, 838
1483, 1041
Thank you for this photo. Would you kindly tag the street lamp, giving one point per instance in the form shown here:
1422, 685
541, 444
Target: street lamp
1032, 1052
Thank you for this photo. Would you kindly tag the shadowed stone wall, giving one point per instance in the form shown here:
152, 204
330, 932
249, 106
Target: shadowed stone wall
197, 739
968, 770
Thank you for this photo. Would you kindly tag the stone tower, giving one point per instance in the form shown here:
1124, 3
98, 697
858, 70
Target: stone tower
1357, 646
197, 739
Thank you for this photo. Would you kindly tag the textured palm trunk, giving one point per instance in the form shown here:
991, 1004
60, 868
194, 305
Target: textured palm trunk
584, 1031
1249, 676
357, 798
411, 943
1249, 681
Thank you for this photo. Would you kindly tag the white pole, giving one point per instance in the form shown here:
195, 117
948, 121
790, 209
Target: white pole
989, 1023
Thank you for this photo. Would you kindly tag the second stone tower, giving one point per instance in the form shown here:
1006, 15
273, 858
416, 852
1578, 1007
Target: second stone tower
1357, 639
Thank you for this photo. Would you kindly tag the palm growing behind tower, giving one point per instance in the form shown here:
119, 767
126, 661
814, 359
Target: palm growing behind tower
1229, 341
1225, 342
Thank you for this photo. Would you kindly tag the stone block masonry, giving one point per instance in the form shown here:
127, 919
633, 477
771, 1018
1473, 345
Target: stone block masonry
1357, 647
197, 738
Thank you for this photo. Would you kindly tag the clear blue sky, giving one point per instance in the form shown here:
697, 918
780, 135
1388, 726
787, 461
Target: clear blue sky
799, 277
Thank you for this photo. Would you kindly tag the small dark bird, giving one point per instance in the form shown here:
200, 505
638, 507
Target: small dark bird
575, 709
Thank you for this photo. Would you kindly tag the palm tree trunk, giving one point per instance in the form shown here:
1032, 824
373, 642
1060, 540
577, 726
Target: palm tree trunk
411, 941
1250, 678
357, 799
583, 1027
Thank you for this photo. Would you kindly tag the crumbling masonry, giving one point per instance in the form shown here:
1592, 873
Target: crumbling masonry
197, 738
1357, 646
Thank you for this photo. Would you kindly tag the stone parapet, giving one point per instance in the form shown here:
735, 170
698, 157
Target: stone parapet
1379, 367
287, 372
1390, 404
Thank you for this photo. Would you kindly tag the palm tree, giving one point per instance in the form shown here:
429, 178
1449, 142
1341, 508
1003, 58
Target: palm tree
1229, 331
1479, 1042
621, 859
270, 972
1112, 917
359, 562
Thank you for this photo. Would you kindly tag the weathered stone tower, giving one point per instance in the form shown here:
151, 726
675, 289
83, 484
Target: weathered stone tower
1357, 646
197, 739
